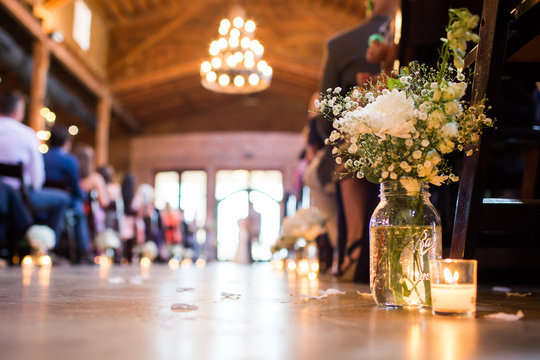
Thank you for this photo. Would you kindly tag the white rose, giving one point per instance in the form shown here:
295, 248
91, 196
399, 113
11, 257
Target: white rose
433, 157
353, 149
435, 119
390, 114
449, 130
451, 108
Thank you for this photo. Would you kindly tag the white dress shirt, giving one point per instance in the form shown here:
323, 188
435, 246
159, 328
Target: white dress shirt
18, 143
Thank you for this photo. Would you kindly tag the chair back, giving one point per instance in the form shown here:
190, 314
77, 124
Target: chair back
16, 171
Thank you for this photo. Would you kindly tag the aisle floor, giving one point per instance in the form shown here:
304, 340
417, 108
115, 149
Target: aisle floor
84, 313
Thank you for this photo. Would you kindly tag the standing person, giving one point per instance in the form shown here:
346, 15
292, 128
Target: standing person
253, 228
62, 170
356, 199
18, 143
128, 226
171, 219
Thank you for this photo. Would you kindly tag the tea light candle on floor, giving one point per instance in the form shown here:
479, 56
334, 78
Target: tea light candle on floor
453, 287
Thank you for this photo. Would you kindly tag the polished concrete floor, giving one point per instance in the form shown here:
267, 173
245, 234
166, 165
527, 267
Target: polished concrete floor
84, 313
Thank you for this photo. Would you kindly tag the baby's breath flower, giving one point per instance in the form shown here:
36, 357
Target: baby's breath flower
417, 154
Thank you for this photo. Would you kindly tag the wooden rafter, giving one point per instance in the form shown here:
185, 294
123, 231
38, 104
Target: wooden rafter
162, 33
91, 81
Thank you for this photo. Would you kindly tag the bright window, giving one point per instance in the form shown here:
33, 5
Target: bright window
82, 25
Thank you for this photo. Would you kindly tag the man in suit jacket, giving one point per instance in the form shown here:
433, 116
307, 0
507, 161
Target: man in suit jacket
62, 170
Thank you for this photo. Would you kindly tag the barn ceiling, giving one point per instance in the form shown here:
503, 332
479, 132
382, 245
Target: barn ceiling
156, 47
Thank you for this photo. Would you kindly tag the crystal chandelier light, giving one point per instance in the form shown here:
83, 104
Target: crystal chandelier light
236, 65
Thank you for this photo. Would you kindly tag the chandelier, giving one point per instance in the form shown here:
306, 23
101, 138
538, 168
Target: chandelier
236, 65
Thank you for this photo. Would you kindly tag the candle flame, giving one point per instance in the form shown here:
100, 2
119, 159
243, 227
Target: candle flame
449, 278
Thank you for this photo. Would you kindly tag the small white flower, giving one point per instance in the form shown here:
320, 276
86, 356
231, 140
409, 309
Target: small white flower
393, 176
338, 160
335, 135
353, 149
403, 165
335, 150
469, 152
385, 174
454, 178
434, 86
409, 143
417, 154
425, 142
337, 90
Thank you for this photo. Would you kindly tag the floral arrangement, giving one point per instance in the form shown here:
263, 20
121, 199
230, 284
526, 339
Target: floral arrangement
305, 223
149, 250
402, 128
41, 238
108, 239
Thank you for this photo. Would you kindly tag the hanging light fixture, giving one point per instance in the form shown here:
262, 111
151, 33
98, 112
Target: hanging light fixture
236, 65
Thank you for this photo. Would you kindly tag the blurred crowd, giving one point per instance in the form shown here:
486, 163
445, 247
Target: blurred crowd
83, 205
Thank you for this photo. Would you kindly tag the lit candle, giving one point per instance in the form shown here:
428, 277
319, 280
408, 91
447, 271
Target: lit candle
174, 264
145, 266
303, 267
453, 286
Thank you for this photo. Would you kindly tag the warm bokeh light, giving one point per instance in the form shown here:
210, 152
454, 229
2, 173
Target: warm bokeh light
51, 117
200, 263
206, 67
291, 265
250, 26
44, 111
27, 261
146, 262
43, 135
235, 33
43, 148
253, 79
216, 63
238, 22
303, 267
239, 81
225, 23
186, 263
45, 260
174, 264
211, 76
312, 275
315, 266
224, 80
73, 130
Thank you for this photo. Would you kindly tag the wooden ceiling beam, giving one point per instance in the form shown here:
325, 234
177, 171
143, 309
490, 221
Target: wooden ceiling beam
91, 81
162, 33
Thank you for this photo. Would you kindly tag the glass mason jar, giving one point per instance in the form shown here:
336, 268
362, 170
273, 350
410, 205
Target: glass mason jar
405, 233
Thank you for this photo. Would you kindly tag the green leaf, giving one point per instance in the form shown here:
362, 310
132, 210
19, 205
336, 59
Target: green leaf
392, 83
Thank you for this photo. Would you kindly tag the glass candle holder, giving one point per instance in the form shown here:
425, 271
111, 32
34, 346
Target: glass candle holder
453, 287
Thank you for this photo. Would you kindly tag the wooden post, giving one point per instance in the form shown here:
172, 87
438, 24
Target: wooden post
102, 135
39, 85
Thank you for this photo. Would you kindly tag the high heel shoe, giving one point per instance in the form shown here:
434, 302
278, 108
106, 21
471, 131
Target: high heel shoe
347, 273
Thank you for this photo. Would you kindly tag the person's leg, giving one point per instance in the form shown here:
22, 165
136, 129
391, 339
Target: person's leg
354, 200
82, 234
53, 204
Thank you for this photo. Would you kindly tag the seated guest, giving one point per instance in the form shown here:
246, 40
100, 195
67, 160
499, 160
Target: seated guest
62, 170
91, 180
18, 143
114, 211
14, 220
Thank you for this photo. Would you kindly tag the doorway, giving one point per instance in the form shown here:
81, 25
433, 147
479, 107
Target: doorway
234, 190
